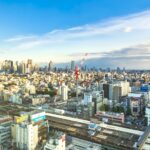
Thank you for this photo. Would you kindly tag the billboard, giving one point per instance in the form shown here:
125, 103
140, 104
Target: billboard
144, 88
38, 117
21, 118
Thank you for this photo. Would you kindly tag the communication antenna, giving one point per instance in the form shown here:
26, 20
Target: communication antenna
77, 77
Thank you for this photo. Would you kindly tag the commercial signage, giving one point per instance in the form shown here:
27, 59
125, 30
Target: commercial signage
38, 117
21, 118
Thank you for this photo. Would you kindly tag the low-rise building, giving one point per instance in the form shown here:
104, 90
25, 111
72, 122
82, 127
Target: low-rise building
57, 142
110, 116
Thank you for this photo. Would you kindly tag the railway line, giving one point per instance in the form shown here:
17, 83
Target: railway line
107, 136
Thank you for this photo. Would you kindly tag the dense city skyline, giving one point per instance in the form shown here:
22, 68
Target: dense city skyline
74, 75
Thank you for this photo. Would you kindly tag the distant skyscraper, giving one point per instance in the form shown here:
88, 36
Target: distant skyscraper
118, 69
8, 66
29, 66
15, 66
29, 61
108, 69
72, 65
36, 67
50, 66
124, 69
1, 65
22, 68
11, 68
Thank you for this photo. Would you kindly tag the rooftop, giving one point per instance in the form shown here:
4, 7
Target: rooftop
136, 95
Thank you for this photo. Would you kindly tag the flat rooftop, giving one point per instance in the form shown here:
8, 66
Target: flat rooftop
117, 137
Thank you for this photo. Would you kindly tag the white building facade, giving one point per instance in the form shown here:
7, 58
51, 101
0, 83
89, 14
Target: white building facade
26, 136
147, 115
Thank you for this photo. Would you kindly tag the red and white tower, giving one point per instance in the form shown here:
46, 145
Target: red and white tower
77, 72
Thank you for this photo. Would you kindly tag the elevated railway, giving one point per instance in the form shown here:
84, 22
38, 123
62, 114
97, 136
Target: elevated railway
111, 136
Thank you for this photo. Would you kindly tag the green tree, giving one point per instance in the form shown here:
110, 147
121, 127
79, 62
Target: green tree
128, 112
104, 107
118, 109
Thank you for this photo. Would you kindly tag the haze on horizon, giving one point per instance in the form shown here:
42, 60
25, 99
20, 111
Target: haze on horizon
112, 33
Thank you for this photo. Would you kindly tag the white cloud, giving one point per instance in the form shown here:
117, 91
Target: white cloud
21, 38
128, 29
135, 57
139, 21
106, 35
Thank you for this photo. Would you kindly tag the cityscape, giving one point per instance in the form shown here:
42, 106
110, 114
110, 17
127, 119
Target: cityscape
74, 75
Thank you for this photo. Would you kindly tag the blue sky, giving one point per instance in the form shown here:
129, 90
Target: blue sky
61, 30
41, 16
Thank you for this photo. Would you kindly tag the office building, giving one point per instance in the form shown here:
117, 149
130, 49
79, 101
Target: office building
25, 135
64, 92
29, 67
22, 68
87, 98
50, 66
72, 65
147, 114
117, 93
5, 132
106, 90
97, 98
